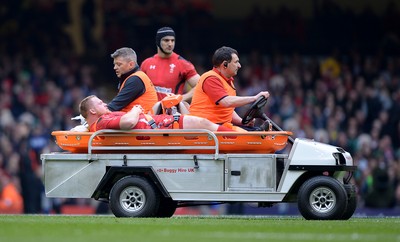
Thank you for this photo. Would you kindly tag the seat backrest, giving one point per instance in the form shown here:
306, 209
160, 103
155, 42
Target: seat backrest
157, 108
170, 101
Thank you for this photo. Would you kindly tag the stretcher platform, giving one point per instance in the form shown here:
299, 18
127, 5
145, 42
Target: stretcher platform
171, 141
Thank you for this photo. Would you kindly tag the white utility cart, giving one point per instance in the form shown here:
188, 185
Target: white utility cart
152, 181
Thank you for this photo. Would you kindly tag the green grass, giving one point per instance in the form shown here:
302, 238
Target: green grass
193, 228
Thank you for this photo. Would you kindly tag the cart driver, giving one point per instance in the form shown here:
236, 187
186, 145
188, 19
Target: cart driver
215, 97
98, 117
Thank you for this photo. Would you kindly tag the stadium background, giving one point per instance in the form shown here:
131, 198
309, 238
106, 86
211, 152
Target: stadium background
332, 68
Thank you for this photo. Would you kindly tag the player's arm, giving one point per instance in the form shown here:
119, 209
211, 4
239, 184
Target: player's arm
130, 119
192, 82
189, 71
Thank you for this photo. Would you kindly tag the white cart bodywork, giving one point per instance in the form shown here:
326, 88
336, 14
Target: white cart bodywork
181, 179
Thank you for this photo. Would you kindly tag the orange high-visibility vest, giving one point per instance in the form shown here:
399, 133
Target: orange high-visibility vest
11, 201
202, 106
148, 99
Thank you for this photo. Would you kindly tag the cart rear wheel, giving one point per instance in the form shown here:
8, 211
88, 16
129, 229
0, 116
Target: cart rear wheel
322, 198
133, 196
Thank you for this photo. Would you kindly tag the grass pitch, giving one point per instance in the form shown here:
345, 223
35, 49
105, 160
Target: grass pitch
26, 228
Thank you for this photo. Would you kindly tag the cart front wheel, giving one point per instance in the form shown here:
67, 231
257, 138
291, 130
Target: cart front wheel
322, 198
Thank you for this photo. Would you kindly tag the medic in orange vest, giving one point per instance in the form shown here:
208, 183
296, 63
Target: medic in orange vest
215, 97
135, 87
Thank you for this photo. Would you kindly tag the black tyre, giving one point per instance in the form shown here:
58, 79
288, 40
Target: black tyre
322, 198
134, 196
167, 207
351, 201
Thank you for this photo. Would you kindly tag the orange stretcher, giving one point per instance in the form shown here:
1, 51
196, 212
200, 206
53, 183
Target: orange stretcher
171, 141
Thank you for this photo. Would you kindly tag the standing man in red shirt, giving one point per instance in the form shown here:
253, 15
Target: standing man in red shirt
169, 71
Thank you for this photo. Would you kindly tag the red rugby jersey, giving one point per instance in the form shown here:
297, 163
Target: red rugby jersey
111, 121
168, 74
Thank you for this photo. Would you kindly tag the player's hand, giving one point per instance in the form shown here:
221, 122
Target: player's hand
137, 108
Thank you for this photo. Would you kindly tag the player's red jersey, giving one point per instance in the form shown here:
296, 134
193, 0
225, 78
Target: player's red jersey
168, 74
111, 121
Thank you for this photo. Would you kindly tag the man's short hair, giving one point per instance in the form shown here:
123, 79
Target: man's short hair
223, 54
84, 106
126, 53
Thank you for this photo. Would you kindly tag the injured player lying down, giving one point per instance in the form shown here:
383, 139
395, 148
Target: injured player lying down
98, 117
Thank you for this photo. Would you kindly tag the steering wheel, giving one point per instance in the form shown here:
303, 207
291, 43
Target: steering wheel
255, 110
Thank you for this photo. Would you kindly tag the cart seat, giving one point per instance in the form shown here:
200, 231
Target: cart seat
170, 104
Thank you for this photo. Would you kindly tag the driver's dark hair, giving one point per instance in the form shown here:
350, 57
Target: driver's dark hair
223, 54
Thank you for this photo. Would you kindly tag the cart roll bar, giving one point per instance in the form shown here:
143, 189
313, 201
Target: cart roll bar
154, 132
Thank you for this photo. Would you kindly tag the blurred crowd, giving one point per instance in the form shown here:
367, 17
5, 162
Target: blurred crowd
349, 101
349, 98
